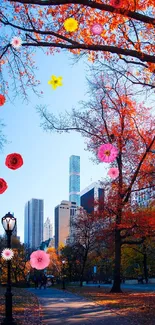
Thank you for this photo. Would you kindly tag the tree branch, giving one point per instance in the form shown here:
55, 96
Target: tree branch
92, 4
128, 191
105, 48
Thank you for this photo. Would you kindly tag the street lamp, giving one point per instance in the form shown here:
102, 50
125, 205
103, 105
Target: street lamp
63, 274
9, 223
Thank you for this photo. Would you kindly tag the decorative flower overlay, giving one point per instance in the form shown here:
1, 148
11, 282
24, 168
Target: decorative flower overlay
7, 254
14, 161
2, 99
70, 24
39, 260
116, 3
107, 153
96, 29
55, 81
16, 42
113, 172
3, 186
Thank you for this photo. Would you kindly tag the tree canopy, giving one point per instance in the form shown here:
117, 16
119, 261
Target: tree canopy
127, 35
112, 116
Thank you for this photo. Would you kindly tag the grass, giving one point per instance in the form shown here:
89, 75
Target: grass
25, 306
139, 306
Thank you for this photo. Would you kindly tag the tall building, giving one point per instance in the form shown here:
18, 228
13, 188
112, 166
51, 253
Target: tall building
143, 197
90, 195
64, 213
48, 229
14, 233
33, 223
74, 179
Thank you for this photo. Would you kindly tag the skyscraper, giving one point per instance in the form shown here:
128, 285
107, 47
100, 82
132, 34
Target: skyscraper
48, 229
74, 179
64, 213
91, 194
14, 233
33, 223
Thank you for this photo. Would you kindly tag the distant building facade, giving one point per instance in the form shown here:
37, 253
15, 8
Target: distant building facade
143, 197
14, 233
74, 179
48, 230
64, 213
90, 195
33, 223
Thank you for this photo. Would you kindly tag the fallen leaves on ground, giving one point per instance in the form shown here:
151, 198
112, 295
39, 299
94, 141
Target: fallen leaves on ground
25, 307
138, 306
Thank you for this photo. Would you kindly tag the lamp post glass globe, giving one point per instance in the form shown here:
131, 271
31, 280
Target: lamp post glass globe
8, 222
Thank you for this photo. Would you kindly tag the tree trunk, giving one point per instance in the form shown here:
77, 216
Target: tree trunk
83, 268
117, 268
145, 268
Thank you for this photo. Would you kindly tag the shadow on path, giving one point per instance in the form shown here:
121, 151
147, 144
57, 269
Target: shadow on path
61, 307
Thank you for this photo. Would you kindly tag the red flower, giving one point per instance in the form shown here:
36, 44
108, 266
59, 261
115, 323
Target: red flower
3, 186
14, 161
2, 99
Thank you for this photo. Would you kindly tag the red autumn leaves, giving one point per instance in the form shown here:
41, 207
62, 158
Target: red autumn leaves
12, 161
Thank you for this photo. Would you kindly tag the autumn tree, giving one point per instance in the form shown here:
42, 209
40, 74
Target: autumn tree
127, 36
69, 254
86, 228
139, 260
19, 266
113, 116
54, 267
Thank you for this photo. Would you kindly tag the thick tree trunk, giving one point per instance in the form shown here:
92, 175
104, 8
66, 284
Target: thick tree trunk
145, 268
83, 268
117, 268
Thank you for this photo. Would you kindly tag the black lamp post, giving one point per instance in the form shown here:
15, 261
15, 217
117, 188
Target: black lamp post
63, 275
9, 223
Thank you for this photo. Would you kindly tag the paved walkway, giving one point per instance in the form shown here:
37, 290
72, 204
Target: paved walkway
131, 287
62, 307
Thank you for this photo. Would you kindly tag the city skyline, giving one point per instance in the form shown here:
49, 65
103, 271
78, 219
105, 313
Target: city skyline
44, 173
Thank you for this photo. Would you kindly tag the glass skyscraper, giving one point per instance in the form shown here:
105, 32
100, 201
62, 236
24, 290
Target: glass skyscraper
74, 179
33, 225
91, 194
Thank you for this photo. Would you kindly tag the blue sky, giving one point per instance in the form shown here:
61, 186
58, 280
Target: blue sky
45, 173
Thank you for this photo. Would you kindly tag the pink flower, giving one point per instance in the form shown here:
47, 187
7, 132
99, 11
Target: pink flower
97, 29
16, 42
7, 254
116, 3
107, 153
113, 172
39, 260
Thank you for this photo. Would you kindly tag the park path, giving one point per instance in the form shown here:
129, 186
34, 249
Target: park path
65, 308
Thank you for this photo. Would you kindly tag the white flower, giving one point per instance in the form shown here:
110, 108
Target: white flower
16, 42
7, 254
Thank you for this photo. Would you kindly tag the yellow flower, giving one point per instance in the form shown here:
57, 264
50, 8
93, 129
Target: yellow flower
55, 81
71, 24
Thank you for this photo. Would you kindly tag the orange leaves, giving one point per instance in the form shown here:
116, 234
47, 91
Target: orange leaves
151, 66
51, 11
37, 36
